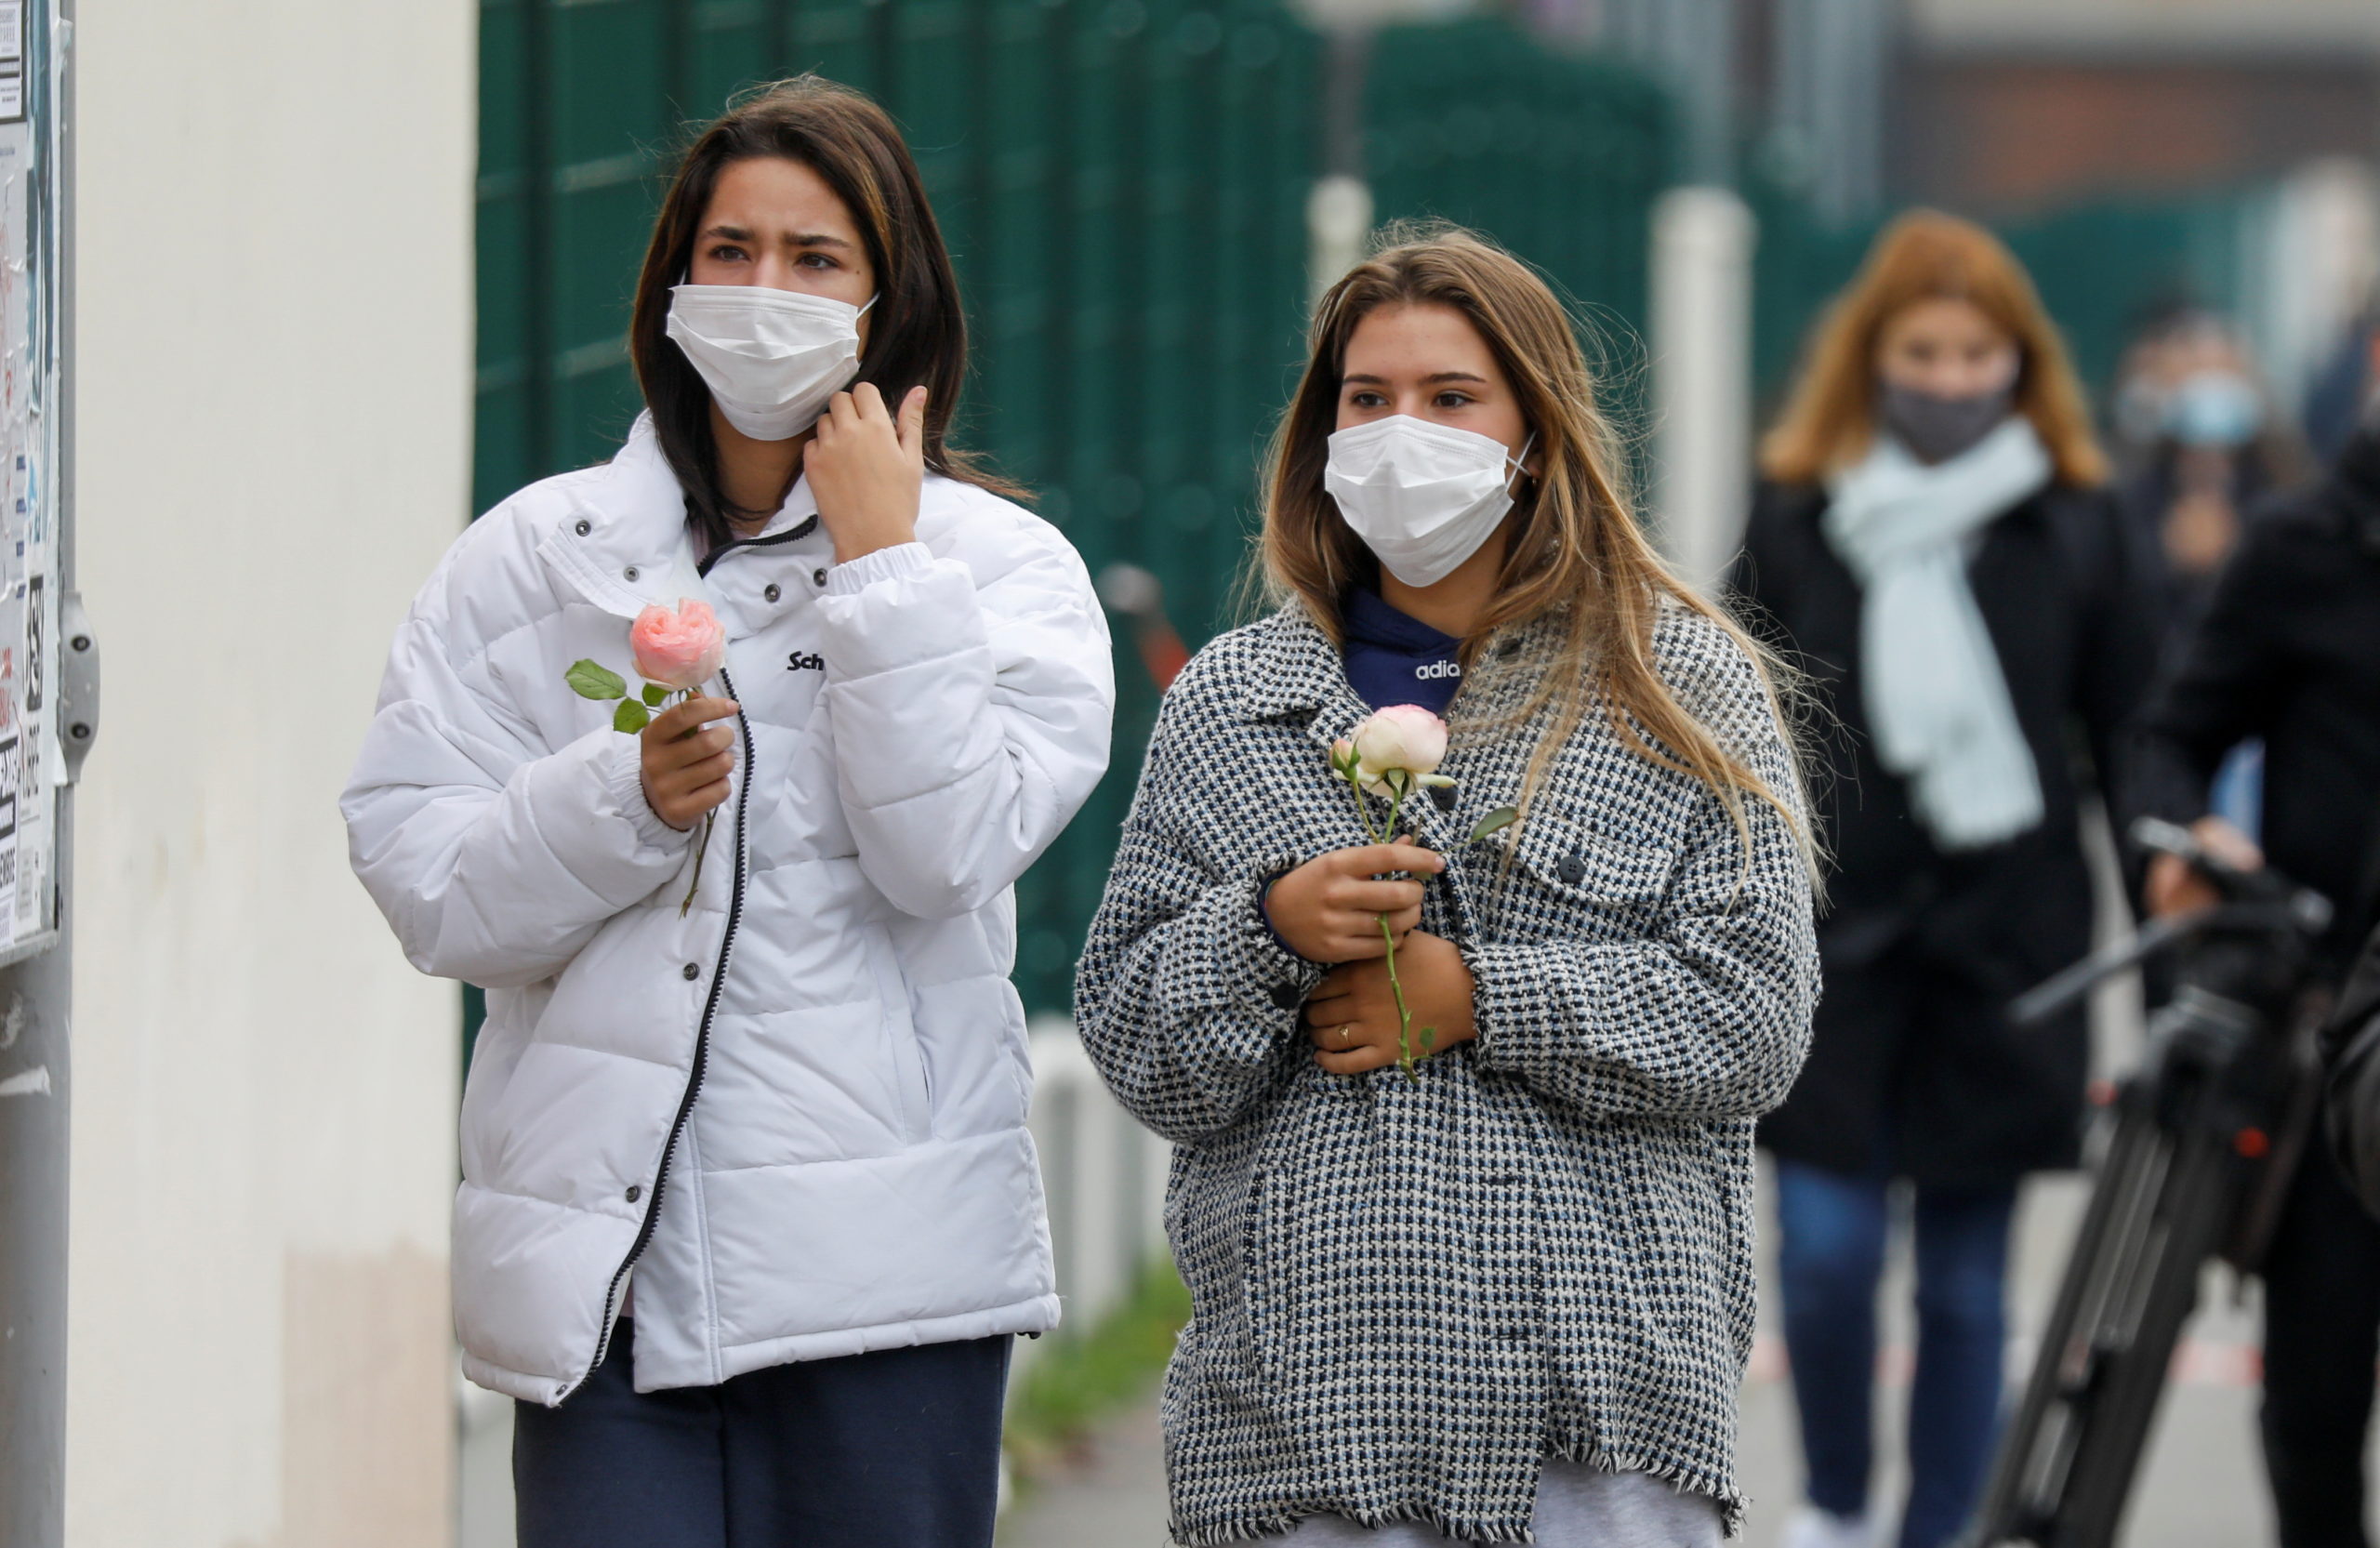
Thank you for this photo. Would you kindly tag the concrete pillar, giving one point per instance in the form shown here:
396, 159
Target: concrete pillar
1700, 338
273, 410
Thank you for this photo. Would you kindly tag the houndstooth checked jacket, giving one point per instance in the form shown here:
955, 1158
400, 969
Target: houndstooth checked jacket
1404, 1296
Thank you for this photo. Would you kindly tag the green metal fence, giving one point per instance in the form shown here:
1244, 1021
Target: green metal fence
1559, 157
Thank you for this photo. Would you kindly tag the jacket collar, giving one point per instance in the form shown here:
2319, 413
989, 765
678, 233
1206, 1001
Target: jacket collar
1302, 675
1299, 673
624, 545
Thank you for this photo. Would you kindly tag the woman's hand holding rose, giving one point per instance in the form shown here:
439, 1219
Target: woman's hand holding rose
1329, 909
1352, 1016
686, 760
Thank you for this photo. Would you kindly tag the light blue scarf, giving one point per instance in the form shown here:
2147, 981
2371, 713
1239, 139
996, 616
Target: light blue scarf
1935, 695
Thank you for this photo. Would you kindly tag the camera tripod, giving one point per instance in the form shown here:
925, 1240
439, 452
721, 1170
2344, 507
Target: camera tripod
2186, 1176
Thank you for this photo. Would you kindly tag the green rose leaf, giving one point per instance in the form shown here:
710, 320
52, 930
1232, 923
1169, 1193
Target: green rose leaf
1429, 1039
655, 694
1502, 817
590, 680
631, 716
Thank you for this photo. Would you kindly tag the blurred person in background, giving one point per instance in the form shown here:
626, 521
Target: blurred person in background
2205, 447
1935, 545
2289, 652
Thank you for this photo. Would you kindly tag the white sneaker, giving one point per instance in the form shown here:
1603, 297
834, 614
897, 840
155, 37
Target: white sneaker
1809, 1527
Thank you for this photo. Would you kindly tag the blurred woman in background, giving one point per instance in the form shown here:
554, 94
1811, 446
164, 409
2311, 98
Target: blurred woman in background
1934, 544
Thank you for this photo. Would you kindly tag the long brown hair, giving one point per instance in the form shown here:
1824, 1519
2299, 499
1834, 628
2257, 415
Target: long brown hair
1578, 560
1927, 256
919, 333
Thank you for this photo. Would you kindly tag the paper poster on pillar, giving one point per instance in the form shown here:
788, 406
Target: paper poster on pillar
12, 61
29, 758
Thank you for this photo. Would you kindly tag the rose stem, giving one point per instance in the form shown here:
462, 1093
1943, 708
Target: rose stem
702, 849
1404, 1016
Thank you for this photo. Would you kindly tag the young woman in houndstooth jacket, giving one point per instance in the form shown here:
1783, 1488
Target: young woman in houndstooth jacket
1507, 1298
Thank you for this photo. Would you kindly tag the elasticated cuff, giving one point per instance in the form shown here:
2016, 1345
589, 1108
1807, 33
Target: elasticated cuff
1509, 1008
623, 785
897, 563
1273, 978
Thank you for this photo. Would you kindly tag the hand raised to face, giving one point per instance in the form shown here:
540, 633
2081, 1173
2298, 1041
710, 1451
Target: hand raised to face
865, 469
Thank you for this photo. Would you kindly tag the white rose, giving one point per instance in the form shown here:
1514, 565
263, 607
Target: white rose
1403, 736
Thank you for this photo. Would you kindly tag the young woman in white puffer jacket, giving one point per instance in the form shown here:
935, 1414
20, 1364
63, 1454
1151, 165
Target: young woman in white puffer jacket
750, 1214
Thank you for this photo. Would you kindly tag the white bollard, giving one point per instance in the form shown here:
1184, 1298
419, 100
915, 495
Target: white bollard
1104, 1173
1700, 341
1337, 223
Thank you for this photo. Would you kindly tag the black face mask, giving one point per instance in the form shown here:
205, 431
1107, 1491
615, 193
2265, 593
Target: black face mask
1936, 429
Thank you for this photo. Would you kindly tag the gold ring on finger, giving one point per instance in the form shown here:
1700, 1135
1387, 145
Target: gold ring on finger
1346, 1034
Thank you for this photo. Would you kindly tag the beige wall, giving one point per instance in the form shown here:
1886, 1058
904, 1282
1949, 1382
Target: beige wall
274, 307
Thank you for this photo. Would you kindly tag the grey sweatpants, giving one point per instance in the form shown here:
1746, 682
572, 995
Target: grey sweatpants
1577, 1507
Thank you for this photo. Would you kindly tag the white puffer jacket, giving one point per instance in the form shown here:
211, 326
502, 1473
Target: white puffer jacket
798, 1111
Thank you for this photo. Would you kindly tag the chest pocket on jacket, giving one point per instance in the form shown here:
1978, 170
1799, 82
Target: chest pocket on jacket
1571, 881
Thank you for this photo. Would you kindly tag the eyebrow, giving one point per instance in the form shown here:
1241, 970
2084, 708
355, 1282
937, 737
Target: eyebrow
799, 239
1431, 379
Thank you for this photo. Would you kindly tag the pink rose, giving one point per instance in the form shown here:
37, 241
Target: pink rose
678, 650
1401, 737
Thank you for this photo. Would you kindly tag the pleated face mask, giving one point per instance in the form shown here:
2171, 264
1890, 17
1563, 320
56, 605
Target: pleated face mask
1422, 497
771, 358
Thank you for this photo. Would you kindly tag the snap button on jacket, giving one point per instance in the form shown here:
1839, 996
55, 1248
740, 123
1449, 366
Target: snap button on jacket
796, 1111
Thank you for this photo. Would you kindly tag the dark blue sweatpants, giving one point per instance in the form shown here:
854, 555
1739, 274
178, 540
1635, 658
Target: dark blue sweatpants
897, 1449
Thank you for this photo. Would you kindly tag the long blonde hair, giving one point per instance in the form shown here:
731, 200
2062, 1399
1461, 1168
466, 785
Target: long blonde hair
1927, 256
1578, 560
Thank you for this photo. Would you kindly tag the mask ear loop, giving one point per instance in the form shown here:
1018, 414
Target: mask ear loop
1520, 463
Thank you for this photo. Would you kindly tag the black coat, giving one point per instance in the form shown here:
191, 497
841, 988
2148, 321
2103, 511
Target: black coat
1913, 1066
2290, 651
2352, 1046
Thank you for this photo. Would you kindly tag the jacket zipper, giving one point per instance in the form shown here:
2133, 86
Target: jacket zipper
702, 1055
791, 534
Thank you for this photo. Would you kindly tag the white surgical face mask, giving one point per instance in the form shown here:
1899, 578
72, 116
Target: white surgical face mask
1423, 498
771, 358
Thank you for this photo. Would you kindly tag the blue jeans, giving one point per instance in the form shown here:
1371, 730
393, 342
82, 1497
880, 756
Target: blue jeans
1830, 1254
898, 1449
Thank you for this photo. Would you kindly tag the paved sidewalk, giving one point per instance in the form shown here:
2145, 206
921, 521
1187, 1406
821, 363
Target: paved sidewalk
1114, 1497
